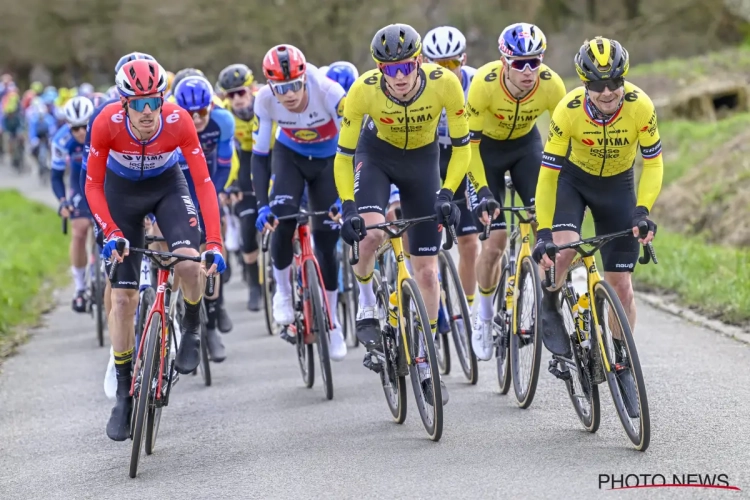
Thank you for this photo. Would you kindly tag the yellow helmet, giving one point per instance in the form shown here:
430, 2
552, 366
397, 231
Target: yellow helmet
601, 59
37, 87
170, 79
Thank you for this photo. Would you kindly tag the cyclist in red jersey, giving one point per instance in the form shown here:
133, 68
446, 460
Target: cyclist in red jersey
133, 172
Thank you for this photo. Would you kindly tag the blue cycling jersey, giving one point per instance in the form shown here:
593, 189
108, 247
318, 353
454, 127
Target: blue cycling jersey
66, 150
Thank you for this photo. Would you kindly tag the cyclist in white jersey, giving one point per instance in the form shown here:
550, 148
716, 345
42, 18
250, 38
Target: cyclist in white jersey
308, 108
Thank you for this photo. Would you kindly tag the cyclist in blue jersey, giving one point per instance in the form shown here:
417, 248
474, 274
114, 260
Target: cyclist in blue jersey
342, 72
67, 149
41, 126
215, 127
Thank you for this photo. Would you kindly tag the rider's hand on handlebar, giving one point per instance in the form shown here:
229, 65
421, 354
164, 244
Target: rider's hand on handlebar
641, 215
539, 254
335, 211
223, 198
65, 209
109, 250
485, 195
262, 223
348, 232
446, 196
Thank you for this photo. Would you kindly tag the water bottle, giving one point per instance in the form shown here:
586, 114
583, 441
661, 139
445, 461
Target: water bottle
583, 319
393, 310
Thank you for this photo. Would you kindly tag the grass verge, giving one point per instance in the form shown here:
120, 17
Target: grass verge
33, 258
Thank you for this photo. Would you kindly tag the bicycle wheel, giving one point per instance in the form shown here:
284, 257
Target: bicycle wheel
424, 360
394, 385
319, 326
625, 378
502, 327
147, 299
525, 347
583, 393
97, 296
348, 298
153, 419
205, 366
459, 316
145, 388
269, 287
304, 351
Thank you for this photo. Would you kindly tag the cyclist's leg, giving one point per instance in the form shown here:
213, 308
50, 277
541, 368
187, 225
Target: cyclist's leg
246, 210
525, 172
285, 199
371, 192
80, 223
612, 206
127, 204
178, 218
322, 195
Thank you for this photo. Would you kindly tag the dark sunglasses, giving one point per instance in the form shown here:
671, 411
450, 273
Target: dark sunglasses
203, 112
599, 85
392, 69
78, 128
520, 64
139, 104
231, 94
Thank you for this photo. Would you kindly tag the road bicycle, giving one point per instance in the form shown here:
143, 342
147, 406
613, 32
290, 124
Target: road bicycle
602, 343
312, 320
407, 345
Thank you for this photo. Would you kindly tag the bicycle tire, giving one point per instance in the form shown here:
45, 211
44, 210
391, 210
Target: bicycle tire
98, 297
321, 331
268, 290
205, 365
145, 393
147, 299
590, 416
525, 395
394, 387
603, 291
466, 357
502, 340
349, 298
304, 350
154, 413
410, 294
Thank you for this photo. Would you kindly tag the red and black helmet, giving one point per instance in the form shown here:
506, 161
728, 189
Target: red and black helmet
141, 77
284, 62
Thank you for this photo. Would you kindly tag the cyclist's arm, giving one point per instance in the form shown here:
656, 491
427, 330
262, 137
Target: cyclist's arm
225, 149
653, 163
556, 93
351, 125
33, 137
554, 154
260, 164
476, 105
59, 161
97, 169
458, 129
234, 171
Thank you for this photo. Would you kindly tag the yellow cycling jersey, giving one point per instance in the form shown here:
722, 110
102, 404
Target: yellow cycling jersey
603, 148
495, 113
405, 125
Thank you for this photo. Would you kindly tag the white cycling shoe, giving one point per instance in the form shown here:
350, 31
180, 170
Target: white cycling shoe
337, 346
283, 309
481, 340
110, 377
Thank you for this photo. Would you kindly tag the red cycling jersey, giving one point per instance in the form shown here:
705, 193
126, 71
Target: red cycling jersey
116, 151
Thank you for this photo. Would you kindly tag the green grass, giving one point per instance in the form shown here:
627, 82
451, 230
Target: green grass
736, 59
33, 252
687, 144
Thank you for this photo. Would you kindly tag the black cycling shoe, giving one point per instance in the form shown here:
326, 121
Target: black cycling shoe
554, 335
80, 302
222, 320
254, 299
368, 333
188, 355
118, 427
216, 350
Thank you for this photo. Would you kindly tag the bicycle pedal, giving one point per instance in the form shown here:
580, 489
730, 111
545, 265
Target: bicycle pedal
284, 334
372, 362
554, 370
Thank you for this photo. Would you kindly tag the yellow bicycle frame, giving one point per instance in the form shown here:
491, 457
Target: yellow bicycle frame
511, 292
592, 278
403, 274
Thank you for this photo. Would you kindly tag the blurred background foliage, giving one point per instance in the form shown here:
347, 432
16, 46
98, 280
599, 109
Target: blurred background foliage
69, 41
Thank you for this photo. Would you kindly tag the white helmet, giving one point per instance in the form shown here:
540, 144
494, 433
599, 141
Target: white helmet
78, 111
444, 42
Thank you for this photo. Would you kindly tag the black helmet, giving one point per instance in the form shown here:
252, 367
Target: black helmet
184, 73
601, 59
235, 76
396, 42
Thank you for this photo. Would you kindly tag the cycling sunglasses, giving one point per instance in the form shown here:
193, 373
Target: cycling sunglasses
611, 84
203, 112
231, 94
448, 63
78, 128
392, 69
521, 64
282, 88
139, 104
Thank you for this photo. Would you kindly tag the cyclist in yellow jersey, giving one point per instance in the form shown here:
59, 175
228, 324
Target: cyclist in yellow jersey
404, 99
594, 135
505, 101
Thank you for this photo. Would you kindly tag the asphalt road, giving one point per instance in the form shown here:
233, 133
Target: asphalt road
258, 433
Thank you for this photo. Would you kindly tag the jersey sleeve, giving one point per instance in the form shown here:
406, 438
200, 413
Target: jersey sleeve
554, 154
262, 133
477, 103
351, 124
224, 149
335, 102
556, 93
59, 161
649, 185
458, 129
204, 187
97, 169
